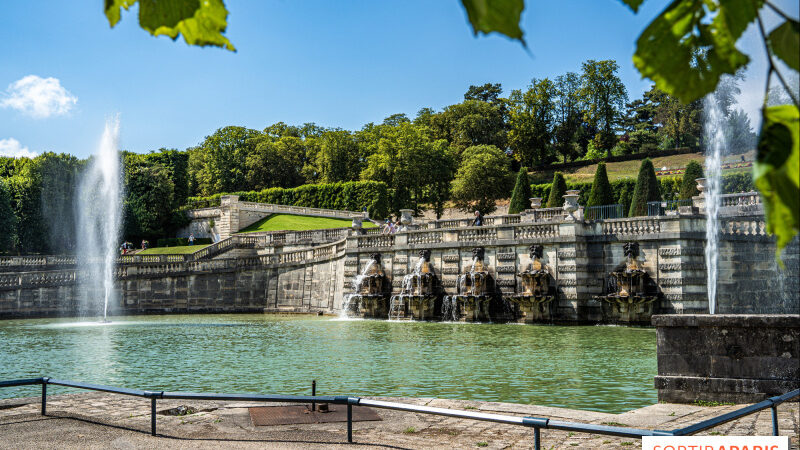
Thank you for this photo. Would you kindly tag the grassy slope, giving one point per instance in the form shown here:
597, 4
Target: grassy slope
629, 169
291, 222
172, 250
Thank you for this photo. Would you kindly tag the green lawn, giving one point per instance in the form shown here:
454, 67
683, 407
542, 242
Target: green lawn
179, 250
292, 222
630, 169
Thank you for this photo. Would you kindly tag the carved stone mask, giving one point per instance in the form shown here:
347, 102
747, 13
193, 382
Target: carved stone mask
478, 252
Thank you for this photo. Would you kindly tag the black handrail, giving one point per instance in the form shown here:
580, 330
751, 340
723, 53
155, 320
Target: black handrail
537, 423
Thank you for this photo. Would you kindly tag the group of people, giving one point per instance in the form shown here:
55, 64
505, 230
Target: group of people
128, 246
390, 227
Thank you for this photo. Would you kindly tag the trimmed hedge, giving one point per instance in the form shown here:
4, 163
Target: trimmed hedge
670, 188
180, 242
351, 196
522, 192
555, 198
648, 189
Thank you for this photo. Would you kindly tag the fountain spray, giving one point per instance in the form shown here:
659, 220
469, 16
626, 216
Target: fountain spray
715, 124
99, 216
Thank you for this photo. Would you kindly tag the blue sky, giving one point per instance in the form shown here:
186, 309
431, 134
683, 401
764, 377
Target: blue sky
337, 63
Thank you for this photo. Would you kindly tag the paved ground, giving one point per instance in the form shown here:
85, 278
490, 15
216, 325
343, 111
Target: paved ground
98, 420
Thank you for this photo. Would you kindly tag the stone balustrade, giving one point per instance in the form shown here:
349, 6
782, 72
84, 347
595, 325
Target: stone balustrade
632, 226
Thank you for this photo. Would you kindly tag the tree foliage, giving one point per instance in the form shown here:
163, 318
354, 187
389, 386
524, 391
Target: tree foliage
8, 222
602, 193
647, 189
531, 121
689, 184
481, 180
520, 198
557, 191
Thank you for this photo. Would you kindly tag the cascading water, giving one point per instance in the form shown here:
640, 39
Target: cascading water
358, 281
715, 143
99, 212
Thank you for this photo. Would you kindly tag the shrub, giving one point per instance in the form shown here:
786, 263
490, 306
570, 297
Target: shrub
351, 195
557, 192
522, 193
647, 189
689, 186
602, 193
8, 222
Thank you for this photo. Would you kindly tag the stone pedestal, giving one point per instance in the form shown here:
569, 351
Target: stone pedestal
727, 357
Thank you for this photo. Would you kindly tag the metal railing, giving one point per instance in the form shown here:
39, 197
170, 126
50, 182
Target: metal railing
603, 212
537, 423
660, 208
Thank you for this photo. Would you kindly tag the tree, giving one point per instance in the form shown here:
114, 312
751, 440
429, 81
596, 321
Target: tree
470, 123
604, 95
276, 162
148, 201
568, 116
680, 124
647, 189
689, 183
520, 198
602, 193
219, 163
531, 119
481, 180
557, 191
685, 50
8, 225
407, 159
339, 157
489, 93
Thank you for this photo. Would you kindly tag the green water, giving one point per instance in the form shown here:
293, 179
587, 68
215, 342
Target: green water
590, 367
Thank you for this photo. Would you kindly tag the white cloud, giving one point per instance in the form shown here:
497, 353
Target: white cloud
38, 97
12, 147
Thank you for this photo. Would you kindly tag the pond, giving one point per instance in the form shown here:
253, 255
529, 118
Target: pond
599, 368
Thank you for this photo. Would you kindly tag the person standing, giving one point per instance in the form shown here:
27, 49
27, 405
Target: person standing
191, 238
478, 222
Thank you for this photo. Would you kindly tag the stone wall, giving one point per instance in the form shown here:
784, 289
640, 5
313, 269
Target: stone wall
727, 358
301, 281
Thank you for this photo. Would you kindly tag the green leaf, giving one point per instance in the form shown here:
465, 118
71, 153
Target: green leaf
685, 54
777, 171
784, 42
201, 22
501, 16
633, 4
112, 9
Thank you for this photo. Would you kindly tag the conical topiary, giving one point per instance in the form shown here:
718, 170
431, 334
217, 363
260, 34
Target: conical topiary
557, 191
689, 184
522, 193
602, 193
647, 189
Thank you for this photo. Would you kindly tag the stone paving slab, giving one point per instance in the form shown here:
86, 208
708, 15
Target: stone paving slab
100, 420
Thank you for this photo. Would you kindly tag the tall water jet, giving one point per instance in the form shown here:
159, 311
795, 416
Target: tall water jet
99, 215
715, 142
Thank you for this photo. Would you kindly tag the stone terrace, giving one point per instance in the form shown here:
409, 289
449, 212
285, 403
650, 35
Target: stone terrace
99, 420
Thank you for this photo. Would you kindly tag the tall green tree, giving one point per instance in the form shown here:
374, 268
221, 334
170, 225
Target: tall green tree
520, 198
339, 157
605, 96
472, 122
568, 116
489, 93
689, 183
276, 162
482, 178
219, 163
148, 201
557, 191
8, 222
531, 118
602, 193
647, 189
416, 166
680, 124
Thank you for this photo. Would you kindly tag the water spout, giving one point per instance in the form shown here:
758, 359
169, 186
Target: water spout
99, 212
715, 142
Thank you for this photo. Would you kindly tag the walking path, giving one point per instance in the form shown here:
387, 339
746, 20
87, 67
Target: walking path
100, 420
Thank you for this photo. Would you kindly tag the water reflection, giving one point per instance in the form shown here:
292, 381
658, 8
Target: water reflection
599, 368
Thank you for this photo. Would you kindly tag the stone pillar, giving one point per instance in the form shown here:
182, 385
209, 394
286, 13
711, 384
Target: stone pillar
229, 216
